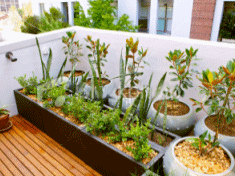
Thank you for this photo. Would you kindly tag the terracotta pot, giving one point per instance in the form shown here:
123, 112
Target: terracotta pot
227, 141
172, 166
4, 120
180, 125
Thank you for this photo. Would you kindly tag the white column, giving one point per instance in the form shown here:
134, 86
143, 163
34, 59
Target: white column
70, 13
153, 17
218, 14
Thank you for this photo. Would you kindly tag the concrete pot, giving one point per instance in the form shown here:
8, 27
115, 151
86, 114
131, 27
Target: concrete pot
107, 89
227, 141
125, 103
66, 79
172, 166
180, 125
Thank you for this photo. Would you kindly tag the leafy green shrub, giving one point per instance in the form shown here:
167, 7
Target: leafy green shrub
81, 109
139, 134
31, 25
103, 122
29, 85
227, 26
52, 20
102, 15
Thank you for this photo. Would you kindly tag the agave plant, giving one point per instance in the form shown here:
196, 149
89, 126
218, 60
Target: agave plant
45, 67
219, 90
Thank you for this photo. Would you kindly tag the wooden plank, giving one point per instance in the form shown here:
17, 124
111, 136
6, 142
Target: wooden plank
14, 160
21, 157
53, 142
40, 147
9, 164
59, 150
4, 169
31, 155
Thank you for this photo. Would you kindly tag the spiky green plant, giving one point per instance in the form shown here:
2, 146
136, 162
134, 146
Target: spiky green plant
45, 67
3, 111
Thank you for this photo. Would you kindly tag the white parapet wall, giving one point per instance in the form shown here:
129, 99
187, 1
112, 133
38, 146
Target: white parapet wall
213, 55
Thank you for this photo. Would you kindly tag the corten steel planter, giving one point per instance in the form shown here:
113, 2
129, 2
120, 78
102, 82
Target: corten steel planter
95, 152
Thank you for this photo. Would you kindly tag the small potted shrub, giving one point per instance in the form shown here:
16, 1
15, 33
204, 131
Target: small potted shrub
219, 90
98, 86
132, 66
180, 118
198, 156
72, 52
5, 124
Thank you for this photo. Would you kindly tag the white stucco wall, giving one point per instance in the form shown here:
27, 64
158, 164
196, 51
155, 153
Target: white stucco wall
25, 50
182, 16
130, 8
213, 55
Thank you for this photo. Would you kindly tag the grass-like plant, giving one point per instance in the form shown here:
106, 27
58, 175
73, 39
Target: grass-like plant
219, 90
45, 67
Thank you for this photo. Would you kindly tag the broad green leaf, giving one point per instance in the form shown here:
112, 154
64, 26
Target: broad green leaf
210, 77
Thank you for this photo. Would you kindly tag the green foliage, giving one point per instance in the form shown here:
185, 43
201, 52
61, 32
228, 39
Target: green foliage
72, 52
80, 108
139, 134
227, 28
31, 25
45, 67
203, 145
29, 85
219, 90
3, 111
52, 20
103, 122
49, 21
135, 64
102, 15
181, 64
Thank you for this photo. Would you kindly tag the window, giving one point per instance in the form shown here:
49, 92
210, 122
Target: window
164, 19
42, 8
65, 11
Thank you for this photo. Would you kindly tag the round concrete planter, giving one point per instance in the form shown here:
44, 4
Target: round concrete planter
107, 89
125, 103
66, 79
180, 125
172, 166
227, 141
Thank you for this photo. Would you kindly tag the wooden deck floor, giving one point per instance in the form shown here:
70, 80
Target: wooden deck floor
25, 150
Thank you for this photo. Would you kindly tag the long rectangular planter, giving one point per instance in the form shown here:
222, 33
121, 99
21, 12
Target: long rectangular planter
95, 152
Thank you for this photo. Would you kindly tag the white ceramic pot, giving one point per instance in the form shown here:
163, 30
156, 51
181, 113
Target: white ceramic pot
227, 141
126, 102
107, 89
173, 167
66, 79
180, 125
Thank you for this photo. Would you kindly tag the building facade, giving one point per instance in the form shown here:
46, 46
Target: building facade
196, 19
